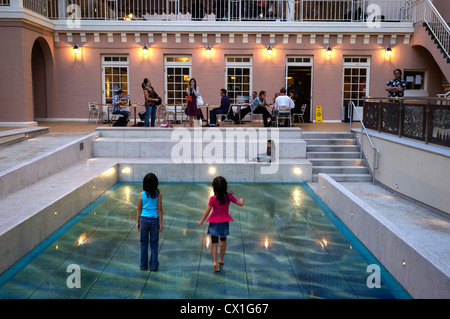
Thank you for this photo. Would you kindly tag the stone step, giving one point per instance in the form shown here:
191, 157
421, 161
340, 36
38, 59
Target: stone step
166, 148
155, 132
341, 169
347, 177
327, 135
332, 148
331, 141
332, 154
337, 162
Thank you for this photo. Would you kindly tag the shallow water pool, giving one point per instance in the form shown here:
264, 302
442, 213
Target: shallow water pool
284, 243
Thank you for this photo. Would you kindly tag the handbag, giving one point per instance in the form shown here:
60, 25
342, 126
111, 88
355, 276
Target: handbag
199, 101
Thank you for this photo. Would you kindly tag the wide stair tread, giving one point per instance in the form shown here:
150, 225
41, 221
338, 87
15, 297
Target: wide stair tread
338, 155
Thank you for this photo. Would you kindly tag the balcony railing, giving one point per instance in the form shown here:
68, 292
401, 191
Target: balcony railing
225, 10
424, 119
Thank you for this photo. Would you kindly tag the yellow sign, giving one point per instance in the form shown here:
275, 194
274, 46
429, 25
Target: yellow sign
319, 114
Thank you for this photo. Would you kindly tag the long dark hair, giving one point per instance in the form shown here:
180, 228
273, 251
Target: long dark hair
195, 84
144, 84
271, 151
220, 185
150, 185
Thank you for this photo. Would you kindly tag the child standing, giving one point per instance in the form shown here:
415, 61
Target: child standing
149, 221
220, 218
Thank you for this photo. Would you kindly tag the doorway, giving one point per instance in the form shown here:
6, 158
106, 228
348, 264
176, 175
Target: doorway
299, 79
39, 75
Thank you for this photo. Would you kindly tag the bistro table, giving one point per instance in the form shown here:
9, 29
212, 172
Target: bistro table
133, 106
240, 106
207, 107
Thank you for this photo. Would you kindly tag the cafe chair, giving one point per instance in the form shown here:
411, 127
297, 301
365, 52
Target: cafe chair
284, 113
227, 117
254, 117
94, 112
300, 115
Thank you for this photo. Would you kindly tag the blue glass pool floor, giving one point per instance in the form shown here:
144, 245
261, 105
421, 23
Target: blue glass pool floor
284, 243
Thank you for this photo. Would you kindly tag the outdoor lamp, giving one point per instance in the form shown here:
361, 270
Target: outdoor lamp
269, 50
145, 50
76, 49
208, 50
329, 51
388, 51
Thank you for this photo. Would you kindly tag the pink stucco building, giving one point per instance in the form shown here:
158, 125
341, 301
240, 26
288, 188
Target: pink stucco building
338, 50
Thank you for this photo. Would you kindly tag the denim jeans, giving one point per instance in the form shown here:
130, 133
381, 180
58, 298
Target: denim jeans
213, 113
149, 226
124, 113
150, 109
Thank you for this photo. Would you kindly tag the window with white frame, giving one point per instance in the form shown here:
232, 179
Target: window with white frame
115, 76
238, 71
356, 80
177, 70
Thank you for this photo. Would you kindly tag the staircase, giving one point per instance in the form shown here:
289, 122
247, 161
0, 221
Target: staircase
336, 154
436, 42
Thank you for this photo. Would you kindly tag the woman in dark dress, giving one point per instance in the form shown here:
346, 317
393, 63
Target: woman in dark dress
191, 106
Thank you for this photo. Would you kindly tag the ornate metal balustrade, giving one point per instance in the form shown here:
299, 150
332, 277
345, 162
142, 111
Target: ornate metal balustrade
424, 119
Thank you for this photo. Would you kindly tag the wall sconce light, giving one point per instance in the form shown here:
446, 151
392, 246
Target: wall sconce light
269, 50
208, 50
388, 51
329, 51
145, 50
76, 49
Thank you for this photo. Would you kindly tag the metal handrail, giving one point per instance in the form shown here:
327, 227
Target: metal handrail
376, 151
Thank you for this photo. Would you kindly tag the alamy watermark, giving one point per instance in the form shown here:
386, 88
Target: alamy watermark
374, 279
373, 18
74, 279
74, 16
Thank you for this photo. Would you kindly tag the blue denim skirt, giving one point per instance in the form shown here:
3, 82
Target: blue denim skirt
219, 229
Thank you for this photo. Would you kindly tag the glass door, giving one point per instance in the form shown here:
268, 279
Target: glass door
177, 75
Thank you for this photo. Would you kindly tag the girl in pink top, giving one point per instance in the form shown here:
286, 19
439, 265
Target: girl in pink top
219, 218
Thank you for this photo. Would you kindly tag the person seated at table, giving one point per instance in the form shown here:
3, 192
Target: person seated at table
245, 111
259, 107
282, 101
117, 110
223, 109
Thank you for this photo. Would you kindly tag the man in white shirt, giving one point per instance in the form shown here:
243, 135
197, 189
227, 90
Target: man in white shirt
283, 101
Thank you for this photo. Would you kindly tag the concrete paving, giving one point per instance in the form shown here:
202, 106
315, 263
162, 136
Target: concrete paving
427, 226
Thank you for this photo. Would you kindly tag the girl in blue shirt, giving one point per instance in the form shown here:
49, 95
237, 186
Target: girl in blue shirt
149, 221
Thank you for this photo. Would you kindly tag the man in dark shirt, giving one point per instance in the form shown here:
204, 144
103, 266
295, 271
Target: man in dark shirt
397, 86
223, 109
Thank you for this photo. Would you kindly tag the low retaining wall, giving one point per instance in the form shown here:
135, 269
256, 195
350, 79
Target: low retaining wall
23, 229
28, 173
416, 269
412, 168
